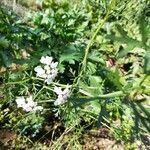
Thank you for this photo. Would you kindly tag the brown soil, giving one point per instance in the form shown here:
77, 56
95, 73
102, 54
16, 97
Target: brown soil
101, 139
6, 137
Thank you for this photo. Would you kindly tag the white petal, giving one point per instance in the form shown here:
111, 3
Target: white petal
54, 74
48, 81
66, 91
30, 102
65, 96
48, 71
27, 108
46, 60
54, 71
39, 70
49, 76
43, 60
57, 90
57, 103
38, 108
29, 98
53, 77
59, 100
54, 65
20, 101
42, 75
47, 67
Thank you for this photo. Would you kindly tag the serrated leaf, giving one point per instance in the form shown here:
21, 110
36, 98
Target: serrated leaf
115, 78
96, 57
71, 58
91, 68
61, 68
131, 44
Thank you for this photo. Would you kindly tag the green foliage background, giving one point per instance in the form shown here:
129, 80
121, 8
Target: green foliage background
103, 51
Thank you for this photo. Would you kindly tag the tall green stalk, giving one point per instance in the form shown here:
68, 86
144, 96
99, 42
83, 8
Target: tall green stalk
100, 25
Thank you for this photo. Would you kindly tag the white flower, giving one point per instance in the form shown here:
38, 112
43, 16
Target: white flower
59, 101
54, 72
47, 67
27, 108
46, 60
62, 95
48, 80
20, 101
30, 102
57, 90
38, 108
49, 71
27, 104
66, 91
40, 72
54, 65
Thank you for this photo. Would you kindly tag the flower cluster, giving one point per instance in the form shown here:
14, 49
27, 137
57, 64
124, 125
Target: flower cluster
62, 95
27, 104
48, 71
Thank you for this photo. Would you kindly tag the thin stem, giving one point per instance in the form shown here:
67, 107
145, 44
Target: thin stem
23, 81
110, 95
39, 92
46, 101
45, 87
36, 78
144, 78
62, 85
18, 82
84, 62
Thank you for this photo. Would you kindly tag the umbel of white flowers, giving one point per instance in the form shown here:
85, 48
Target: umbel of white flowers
62, 95
48, 70
27, 104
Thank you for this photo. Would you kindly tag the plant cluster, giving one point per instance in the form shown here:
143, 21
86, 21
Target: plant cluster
84, 63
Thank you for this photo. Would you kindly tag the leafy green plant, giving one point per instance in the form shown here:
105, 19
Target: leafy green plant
85, 65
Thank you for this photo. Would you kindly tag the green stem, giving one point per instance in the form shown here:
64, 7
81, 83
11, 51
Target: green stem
110, 95
39, 92
36, 78
45, 87
84, 62
144, 78
18, 82
61, 85
45, 101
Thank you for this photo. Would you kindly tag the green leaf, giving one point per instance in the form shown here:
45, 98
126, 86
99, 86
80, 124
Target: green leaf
147, 62
4, 42
71, 58
115, 78
130, 44
95, 56
70, 54
7, 58
125, 39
